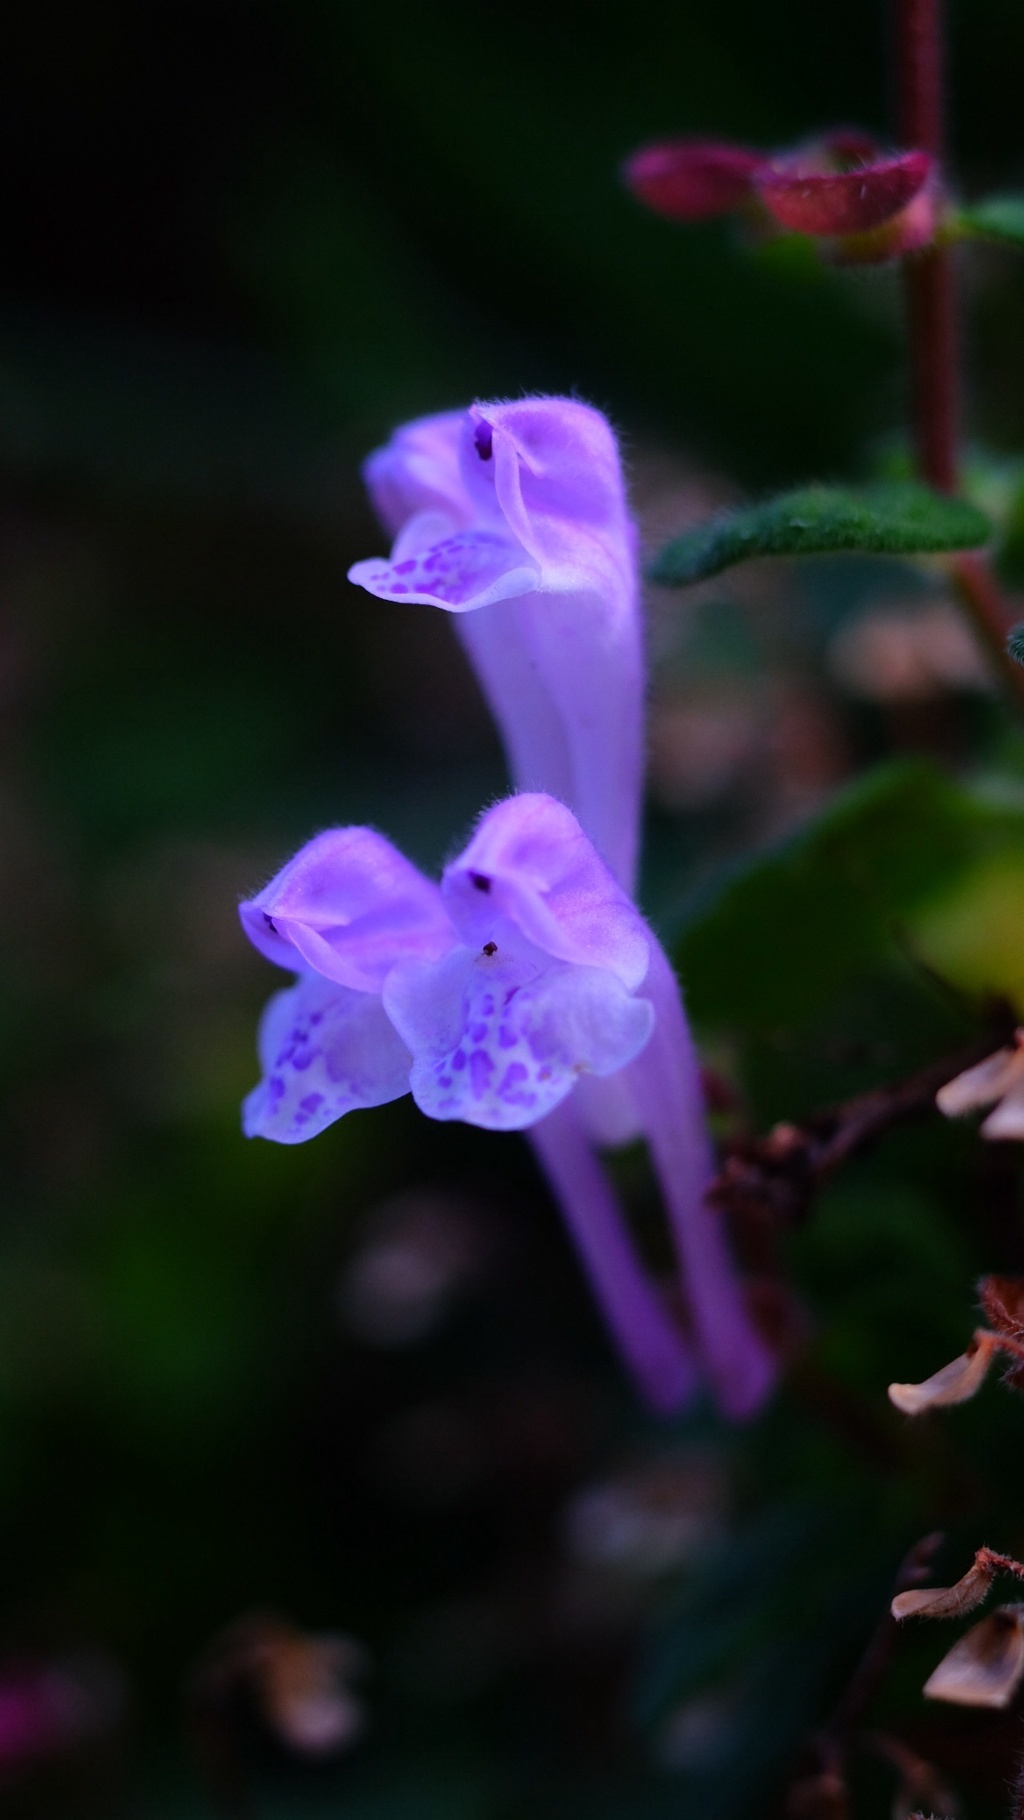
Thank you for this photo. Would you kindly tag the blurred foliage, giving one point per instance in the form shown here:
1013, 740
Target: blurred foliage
241, 243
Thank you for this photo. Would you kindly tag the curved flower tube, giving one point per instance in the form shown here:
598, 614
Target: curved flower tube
490, 999
513, 518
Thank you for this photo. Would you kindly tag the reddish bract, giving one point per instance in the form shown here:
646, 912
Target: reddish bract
836, 203
692, 179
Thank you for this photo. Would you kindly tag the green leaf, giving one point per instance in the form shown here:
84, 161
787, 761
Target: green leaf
896, 519
858, 948
997, 218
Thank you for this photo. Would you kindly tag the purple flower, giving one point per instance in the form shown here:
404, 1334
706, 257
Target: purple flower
499, 998
487, 998
513, 517
490, 998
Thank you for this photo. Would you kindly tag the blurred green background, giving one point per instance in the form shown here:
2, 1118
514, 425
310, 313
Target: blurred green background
359, 1383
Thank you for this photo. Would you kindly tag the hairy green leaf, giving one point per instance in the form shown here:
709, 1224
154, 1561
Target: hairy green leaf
997, 218
893, 518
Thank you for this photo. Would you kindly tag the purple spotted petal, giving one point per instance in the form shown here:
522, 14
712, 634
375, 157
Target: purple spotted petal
349, 905
499, 1044
419, 471
324, 1049
464, 571
530, 865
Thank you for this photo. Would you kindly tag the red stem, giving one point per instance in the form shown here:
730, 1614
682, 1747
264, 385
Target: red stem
934, 404
932, 334
919, 28
928, 275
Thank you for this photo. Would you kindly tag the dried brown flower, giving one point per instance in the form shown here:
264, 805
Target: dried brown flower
301, 1683
985, 1667
998, 1081
948, 1601
954, 1383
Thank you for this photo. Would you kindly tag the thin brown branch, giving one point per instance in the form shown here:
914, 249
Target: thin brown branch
776, 1178
823, 1792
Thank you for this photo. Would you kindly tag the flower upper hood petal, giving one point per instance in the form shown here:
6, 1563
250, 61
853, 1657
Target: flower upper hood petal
529, 861
349, 905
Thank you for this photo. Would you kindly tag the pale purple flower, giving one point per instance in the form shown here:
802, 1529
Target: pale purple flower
486, 997
489, 997
496, 998
513, 518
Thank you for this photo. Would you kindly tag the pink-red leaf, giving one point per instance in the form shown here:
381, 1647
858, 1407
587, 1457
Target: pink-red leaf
835, 203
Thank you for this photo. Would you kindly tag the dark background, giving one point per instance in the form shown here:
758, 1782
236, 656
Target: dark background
238, 245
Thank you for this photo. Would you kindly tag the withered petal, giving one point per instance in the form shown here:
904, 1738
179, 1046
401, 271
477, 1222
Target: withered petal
946, 1601
1007, 1120
980, 1085
954, 1383
985, 1667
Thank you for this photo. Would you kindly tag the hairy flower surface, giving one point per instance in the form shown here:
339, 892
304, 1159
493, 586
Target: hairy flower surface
513, 518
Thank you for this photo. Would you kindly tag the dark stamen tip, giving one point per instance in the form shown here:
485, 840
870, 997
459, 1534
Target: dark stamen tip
490, 947
480, 881
271, 925
483, 436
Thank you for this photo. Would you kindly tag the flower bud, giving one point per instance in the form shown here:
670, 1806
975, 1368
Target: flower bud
692, 179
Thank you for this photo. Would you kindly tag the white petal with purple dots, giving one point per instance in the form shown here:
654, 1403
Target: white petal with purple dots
462, 572
498, 1042
325, 1050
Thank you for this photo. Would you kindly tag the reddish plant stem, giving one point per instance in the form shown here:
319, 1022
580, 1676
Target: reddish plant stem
919, 64
928, 275
928, 285
929, 279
